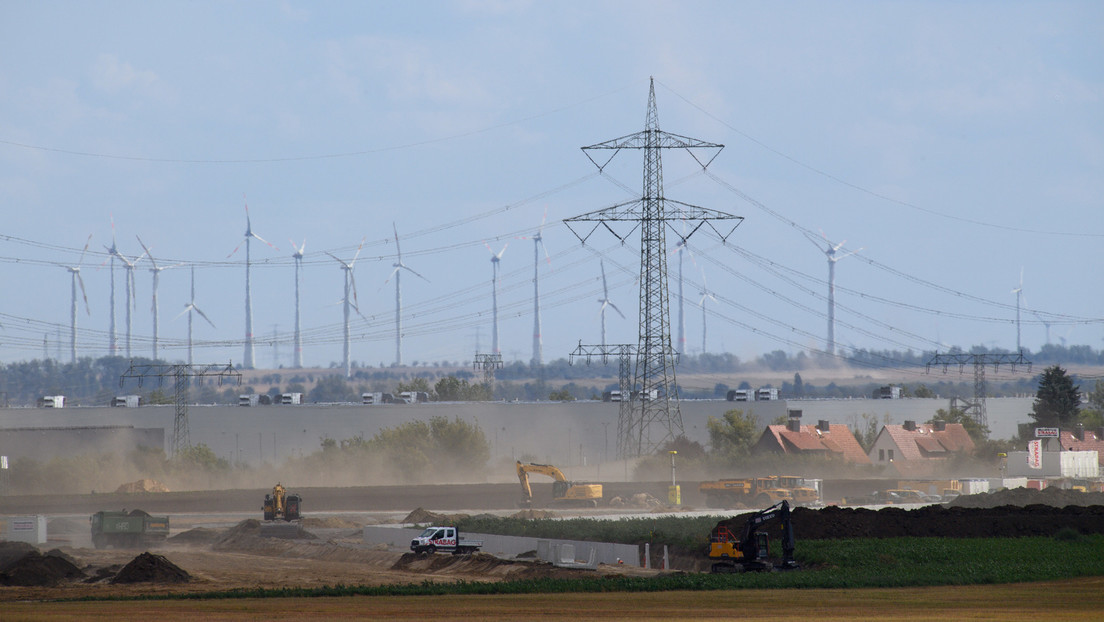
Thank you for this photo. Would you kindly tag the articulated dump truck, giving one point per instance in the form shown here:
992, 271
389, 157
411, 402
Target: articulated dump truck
131, 530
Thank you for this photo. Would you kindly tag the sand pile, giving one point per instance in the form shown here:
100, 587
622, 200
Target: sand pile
422, 516
197, 535
533, 514
142, 485
150, 568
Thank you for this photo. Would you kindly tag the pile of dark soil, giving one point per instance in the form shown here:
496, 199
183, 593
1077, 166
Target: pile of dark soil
31, 568
1052, 496
150, 568
936, 521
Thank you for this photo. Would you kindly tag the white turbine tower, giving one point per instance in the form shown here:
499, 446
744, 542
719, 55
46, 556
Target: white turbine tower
1019, 298
397, 273
495, 258
112, 252
538, 244
830, 251
131, 291
156, 270
76, 279
248, 359
189, 308
350, 282
679, 248
606, 302
705, 293
298, 257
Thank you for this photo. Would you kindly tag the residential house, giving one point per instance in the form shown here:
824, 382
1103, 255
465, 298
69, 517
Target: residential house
913, 449
824, 439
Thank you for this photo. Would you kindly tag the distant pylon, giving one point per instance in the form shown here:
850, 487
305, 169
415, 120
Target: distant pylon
654, 395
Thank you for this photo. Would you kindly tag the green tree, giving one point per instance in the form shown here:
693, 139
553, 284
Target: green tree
332, 388
731, 436
563, 395
1093, 416
1058, 400
867, 431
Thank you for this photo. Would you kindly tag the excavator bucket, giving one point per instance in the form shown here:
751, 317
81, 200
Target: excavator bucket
281, 529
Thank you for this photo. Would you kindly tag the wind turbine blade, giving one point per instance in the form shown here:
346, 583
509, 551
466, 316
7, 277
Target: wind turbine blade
204, 316
235, 249
263, 240
352, 282
391, 275
547, 257
614, 307
89, 241
336, 259
415, 272
148, 253
360, 246
188, 307
605, 290
84, 294
398, 250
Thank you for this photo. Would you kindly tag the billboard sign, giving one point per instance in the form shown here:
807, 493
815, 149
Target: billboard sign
1035, 454
1046, 432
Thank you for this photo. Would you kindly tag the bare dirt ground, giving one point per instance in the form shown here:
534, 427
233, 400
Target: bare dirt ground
219, 552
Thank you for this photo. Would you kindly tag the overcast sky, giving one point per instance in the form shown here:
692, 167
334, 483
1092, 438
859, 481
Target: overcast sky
954, 143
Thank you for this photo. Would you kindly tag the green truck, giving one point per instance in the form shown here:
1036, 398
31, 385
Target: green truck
133, 529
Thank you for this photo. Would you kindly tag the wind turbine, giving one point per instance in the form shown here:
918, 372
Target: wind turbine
248, 359
679, 248
830, 251
495, 258
298, 257
538, 244
705, 293
112, 252
350, 281
397, 273
156, 270
188, 308
1019, 298
606, 302
131, 291
75, 277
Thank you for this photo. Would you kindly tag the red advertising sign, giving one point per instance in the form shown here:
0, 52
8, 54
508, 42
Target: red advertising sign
1035, 454
1046, 432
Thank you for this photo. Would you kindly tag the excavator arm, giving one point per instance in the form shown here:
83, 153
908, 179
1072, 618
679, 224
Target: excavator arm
562, 489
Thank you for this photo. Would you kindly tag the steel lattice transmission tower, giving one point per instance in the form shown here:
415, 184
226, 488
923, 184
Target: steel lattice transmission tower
181, 375
977, 409
654, 407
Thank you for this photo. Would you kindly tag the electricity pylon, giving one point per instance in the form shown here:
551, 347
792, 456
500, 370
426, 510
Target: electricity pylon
976, 409
654, 395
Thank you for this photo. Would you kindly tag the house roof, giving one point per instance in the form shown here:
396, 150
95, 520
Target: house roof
836, 440
927, 442
1092, 441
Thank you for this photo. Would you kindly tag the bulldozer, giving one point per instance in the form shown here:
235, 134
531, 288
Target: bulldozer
282, 514
564, 492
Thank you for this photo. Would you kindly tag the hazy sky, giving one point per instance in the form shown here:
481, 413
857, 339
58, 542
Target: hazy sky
955, 143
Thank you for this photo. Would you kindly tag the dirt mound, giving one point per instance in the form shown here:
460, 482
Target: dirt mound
330, 522
142, 486
150, 568
1055, 497
11, 552
936, 521
639, 500
36, 569
533, 514
198, 535
423, 516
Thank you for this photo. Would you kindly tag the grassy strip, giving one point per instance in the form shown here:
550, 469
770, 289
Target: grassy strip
867, 563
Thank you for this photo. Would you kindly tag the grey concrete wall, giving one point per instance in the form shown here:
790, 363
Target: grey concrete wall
46, 443
510, 546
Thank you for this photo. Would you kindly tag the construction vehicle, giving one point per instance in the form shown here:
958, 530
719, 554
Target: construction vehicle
564, 492
281, 506
760, 492
133, 529
445, 539
750, 549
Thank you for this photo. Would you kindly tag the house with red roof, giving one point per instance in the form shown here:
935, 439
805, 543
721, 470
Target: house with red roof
830, 440
914, 449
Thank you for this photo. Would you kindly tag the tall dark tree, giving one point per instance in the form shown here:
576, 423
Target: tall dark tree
1058, 400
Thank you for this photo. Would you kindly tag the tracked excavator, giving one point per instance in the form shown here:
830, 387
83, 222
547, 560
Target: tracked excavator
749, 550
564, 492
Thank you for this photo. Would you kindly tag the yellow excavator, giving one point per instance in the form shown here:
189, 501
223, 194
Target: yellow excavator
281, 506
563, 491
